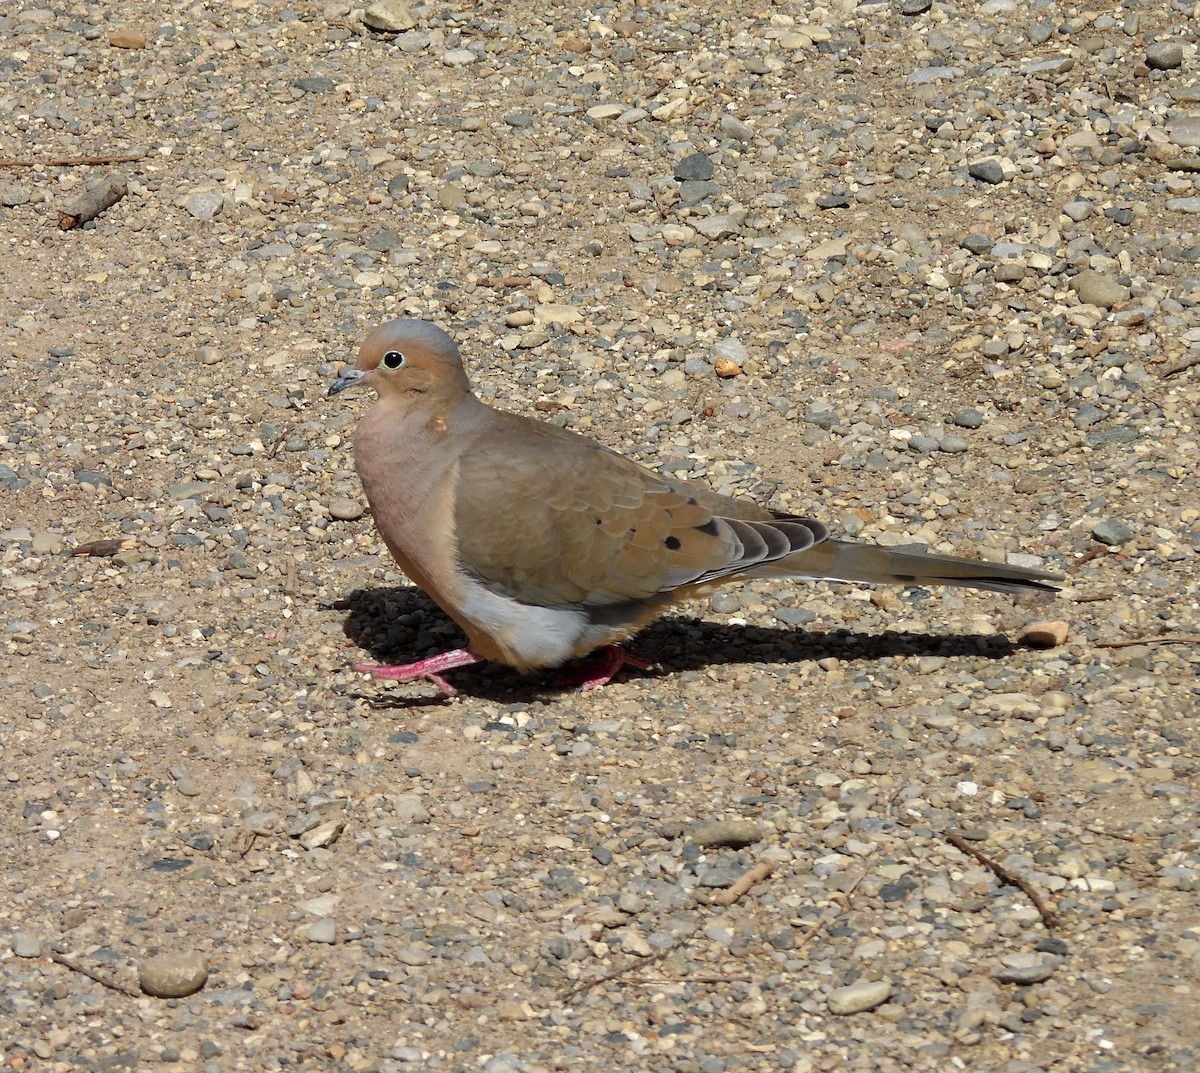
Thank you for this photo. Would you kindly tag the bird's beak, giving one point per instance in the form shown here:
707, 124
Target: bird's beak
348, 377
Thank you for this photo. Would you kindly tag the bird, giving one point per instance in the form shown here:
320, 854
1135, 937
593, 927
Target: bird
546, 546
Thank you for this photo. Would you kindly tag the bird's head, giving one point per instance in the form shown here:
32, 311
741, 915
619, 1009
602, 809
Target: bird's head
406, 358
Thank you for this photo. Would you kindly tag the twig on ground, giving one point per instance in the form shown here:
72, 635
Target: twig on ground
91, 974
1114, 834
72, 161
1004, 875
1165, 639
92, 202
743, 883
1182, 366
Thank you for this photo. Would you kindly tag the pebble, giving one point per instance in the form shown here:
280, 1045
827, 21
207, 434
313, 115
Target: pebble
25, 945
389, 16
1025, 969
204, 205
14, 194
324, 930
733, 833
1111, 531
988, 171
1184, 130
694, 166
127, 37
173, 974
859, 997
1078, 210
346, 509
1164, 55
1098, 289
1049, 633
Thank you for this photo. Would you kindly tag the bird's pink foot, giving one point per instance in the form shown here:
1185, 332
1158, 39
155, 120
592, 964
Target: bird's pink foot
430, 668
593, 675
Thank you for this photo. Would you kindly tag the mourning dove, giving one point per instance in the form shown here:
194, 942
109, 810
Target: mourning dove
545, 546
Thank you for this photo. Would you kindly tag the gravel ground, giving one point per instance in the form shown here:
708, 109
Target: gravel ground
924, 270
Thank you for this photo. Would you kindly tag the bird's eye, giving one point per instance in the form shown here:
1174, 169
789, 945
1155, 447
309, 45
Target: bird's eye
393, 359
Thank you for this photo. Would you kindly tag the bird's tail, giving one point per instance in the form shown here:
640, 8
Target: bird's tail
839, 560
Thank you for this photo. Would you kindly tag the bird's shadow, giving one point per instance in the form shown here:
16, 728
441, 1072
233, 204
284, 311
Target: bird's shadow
401, 625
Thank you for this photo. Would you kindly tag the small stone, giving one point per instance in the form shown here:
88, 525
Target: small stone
1111, 531
1164, 55
25, 945
204, 205
1079, 209
857, 997
459, 57
733, 833
915, 7
1024, 969
410, 808
520, 318
389, 16
313, 84
1184, 130
557, 313
14, 194
1046, 634
173, 975
952, 445
971, 418
734, 128
345, 509
1184, 204
127, 38
324, 834
726, 369
695, 166
987, 171
324, 930
1096, 289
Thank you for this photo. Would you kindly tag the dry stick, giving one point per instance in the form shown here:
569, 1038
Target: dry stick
72, 161
93, 201
1115, 834
743, 883
621, 970
100, 978
1095, 597
1005, 876
1166, 639
1182, 366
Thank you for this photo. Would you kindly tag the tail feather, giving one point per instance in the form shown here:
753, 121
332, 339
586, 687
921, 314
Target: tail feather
839, 560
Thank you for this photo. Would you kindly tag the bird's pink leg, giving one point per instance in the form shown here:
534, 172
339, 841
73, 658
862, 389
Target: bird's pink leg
612, 659
424, 668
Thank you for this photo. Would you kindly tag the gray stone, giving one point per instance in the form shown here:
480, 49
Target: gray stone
695, 166
971, 418
1184, 130
987, 171
1096, 289
860, 996
459, 57
734, 128
204, 205
346, 509
313, 84
1026, 969
1164, 55
1184, 204
410, 808
324, 930
1110, 531
13, 194
1079, 209
25, 945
